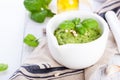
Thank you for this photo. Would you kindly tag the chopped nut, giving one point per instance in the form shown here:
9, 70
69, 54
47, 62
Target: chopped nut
71, 30
74, 33
66, 30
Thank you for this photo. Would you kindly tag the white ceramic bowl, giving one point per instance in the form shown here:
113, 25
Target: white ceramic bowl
76, 56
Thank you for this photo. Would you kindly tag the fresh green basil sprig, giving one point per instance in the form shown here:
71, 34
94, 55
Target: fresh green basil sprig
39, 9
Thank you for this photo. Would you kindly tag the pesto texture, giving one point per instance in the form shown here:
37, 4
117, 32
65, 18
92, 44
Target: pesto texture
77, 31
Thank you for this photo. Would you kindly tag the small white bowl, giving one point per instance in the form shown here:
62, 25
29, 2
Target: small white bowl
76, 56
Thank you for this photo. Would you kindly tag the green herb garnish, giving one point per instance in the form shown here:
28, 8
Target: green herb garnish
39, 9
31, 40
80, 28
67, 25
3, 67
90, 23
76, 21
77, 31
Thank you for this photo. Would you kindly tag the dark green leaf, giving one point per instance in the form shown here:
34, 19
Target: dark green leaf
47, 2
91, 23
33, 5
80, 28
39, 9
67, 25
31, 40
39, 16
50, 13
36, 5
76, 20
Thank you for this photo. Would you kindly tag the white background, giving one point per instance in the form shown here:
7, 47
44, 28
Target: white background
11, 34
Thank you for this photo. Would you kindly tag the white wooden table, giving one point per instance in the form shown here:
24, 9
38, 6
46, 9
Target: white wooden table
11, 35
14, 25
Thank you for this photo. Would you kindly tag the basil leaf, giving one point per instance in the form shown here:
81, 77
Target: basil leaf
39, 16
39, 9
3, 67
47, 2
80, 28
50, 13
90, 23
76, 21
33, 5
67, 25
31, 40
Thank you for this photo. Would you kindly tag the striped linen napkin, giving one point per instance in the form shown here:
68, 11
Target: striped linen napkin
41, 66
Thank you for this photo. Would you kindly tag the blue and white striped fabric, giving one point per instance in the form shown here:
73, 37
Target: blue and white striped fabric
40, 66
110, 5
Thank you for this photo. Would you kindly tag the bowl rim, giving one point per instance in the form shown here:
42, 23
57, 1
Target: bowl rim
55, 43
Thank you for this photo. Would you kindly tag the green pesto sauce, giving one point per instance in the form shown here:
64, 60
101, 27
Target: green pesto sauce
75, 31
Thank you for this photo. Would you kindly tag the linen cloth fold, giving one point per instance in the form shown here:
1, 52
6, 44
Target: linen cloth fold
40, 65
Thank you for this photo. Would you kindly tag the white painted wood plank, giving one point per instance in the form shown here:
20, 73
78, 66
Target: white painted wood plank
34, 28
11, 34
